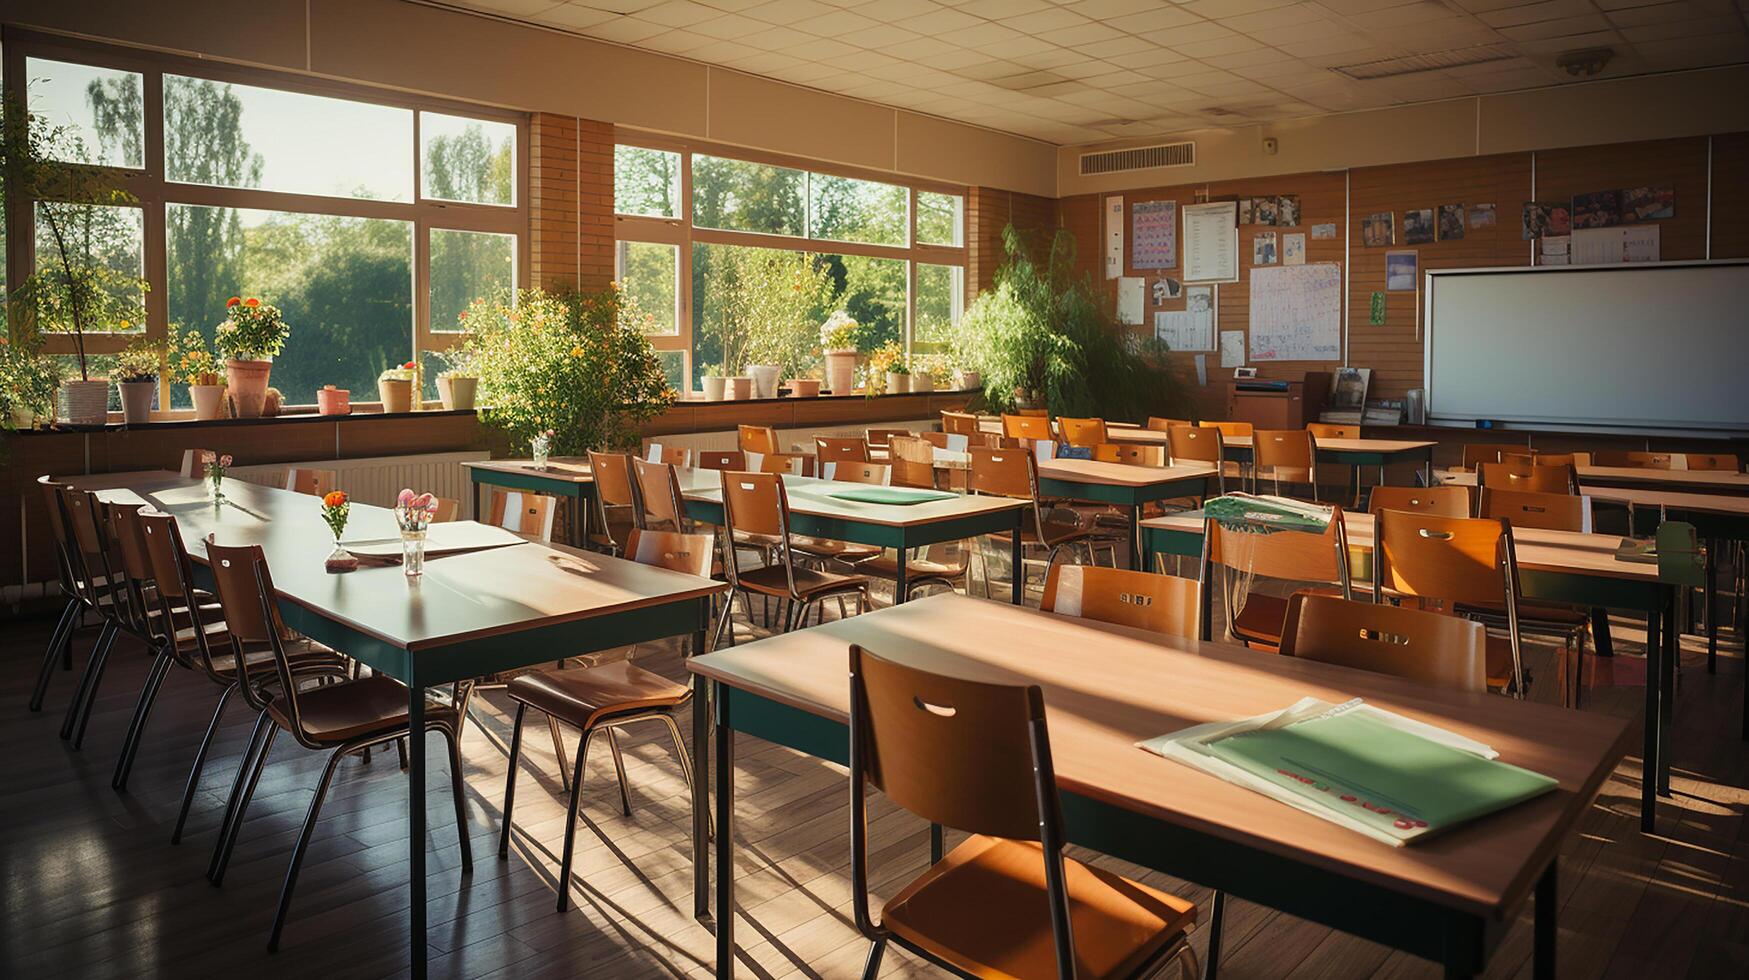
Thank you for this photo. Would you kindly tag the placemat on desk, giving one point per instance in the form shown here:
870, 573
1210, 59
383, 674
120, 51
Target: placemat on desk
897, 496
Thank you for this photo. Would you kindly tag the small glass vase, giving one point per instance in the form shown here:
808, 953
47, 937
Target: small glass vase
413, 553
218, 495
539, 446
340, 560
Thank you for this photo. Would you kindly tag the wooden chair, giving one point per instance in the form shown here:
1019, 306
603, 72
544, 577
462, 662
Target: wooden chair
616, 500
1290, 556
1449, 500
1713, 461
82, 594
448, 509
672, 455
1229, 429
1130, 454
1554, 512
1029, 428
913, 462
192, 468
879, 440
1453, 561
1511, 475
1145, 600
840, 449
1443, 651
340, 718
660, 504
720, 459
1639, 460
1013, 473
1086, 433
1289, 454
1159, 424
98, 569
1326, 430
977, 757
792, 463
756, 514
872, 474
1490, 452
959, 423
939, 564
604, 698
1526, 508
316, 483
756, 439
1520, 460
528, 515
1201, 444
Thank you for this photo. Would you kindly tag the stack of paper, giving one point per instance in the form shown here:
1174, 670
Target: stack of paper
1267, 513
1378, 773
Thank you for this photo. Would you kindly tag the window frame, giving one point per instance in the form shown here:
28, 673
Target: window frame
154, 192
680, 230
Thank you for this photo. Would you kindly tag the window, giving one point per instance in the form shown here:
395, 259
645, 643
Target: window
847, 210
109, 241
468, 160
941, 297
650, 274
740, 196
99, 108
940, 218
466, 265
646, 182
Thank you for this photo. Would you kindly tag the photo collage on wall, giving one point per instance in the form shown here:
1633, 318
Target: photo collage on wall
1567, 233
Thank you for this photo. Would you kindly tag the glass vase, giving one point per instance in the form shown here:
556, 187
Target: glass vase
340, 560
539, 446
413, 553
217, 482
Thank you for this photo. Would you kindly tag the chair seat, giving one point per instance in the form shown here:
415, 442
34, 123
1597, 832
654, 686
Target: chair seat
886, 565
984, 910
341, 712
583, 696
829, 550
304, 655
617, 533
1261, 619
810, 584
1545, 613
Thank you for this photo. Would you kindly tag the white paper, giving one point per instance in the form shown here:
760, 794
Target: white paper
1613, 246
1132, 296
1113, 237
1202, 370
1293, 250
1296, 313
1183, 330
1211, 242
1232, 348
1200, 299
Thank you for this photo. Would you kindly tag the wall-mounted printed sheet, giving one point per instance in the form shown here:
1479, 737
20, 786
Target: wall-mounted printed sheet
1211, 242
1154, 235
1296, 312
1113, 237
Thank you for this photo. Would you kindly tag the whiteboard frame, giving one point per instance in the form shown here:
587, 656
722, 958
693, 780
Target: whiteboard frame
1429, 282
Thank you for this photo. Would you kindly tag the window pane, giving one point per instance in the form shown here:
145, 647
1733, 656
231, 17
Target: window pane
344, 284
674, 366
940, 218
941, 295
109, 241
847, 210
650, 274
232, 135
873, 291
466, 265
739, 196
646, 182
102, 110
758, 306
471, 160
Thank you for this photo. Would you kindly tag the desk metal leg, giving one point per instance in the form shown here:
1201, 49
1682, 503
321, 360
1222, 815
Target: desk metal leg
1672, 638
701, 783
725, 920
1547, 908
1600, 637
416, 824
1649, 741
900, 585
1709, 608
476, 512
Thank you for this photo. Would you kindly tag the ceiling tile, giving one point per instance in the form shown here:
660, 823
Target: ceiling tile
571, 17
729, 27
626, 30
678, 13
1154, 20
1531, 13
1703, 27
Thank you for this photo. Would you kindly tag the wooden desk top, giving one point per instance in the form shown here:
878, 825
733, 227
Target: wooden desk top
566, 469
1706, 503
1108, 687
1120, 474
1154, 437
809, 495
1688, 486
1537, 550
460, 597
1690, 480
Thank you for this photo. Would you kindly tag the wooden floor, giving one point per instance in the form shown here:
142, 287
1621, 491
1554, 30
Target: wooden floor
94, 889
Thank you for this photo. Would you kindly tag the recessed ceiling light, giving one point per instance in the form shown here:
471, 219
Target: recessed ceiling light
1433, 61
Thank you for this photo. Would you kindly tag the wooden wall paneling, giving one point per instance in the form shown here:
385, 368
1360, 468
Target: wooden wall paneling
1679, 164
1730, 217
988, 212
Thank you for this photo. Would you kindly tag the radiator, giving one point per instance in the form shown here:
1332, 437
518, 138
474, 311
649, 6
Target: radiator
376, 480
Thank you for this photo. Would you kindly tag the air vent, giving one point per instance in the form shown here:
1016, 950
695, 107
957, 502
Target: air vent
1139, 158
1480, 54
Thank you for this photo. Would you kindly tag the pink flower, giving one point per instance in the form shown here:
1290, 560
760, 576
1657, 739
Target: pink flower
225, 460
404, 498
424, 501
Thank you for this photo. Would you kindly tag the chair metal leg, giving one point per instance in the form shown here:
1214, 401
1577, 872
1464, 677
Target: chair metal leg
510, 782
401, 749
619, 769
461, 804
243, 766
1213, 965
559, 752
130, 745
685, 758
59, 644
93, 666
303, 844
90, 702
229, 844
871, 967
571, 823
206, 743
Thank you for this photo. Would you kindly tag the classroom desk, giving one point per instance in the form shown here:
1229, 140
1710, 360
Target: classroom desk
1449, 899
564, 476
1347, 452
467, 616
1690, 481
1553, 566
902, 527
1124, 485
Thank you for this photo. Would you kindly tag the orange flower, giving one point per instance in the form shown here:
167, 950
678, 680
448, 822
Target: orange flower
335, 498
233, 301
251, 301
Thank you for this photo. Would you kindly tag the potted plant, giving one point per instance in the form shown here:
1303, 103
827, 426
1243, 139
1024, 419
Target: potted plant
838, 346
191, 363
764, 313
136, 375
804, 387
927, 369
395, 388
248, 338
887, 370
457, 382
715, 380
28, 381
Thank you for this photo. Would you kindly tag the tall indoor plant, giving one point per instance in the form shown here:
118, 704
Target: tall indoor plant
251, 333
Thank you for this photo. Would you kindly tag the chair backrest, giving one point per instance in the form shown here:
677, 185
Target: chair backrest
1550, 511
192, 468
1455, 559
673, 550
64, 561
721, 459
1639, 460
527, 514
93, 564
246, 597
1449, 500
1509, 475
1326, 430
134, 566
1195, 444
1161, 603
612, 473
1299, 556
1713, 461
1027, 427
659, 496
882, 437
1489, 452
1159, 424
316, 483
1444, 651
447, 509
755, 503
960, 423
1086, 433
1130, 454
840, 449
1284, 454
776, 462
756, 439
1001, 472
1229, 429
672, 455
1517, 461
913, 462
875, 474
173, 578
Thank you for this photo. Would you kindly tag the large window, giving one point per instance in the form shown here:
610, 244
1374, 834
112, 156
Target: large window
739, 260
371, 219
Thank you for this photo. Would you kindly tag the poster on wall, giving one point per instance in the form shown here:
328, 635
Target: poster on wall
1232, 348
1113, 237
1293, 249
1211, 242
1400, 271
1296, 312
1154, 234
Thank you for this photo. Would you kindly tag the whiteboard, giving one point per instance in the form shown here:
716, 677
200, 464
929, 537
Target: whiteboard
1654, 346
1296, 312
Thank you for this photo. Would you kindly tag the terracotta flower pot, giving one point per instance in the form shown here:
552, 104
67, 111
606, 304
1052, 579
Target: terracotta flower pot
841, 371
248, 386
209, 401
136, 400
334, 401
85, 402
804, 387
898, 384
457, 392
922, 382
396, 394
740, 389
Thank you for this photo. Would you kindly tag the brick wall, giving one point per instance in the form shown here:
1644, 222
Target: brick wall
988, 212
570, 202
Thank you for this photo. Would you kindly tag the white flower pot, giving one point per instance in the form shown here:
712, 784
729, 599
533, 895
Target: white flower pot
713, 388
898, 384
922, 382
136, 401
457, 392
85, 402
967, 380
764, 380
841, 371
209, 401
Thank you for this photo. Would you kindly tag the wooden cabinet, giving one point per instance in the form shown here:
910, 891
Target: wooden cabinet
1282, 405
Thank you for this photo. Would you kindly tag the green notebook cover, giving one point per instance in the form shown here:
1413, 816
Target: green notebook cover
901, 496
1398, 782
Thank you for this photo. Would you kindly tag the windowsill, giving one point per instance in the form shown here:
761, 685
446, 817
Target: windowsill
298, 414
697, 399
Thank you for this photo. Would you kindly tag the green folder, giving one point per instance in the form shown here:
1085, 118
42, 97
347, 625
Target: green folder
899, 496
1396, 782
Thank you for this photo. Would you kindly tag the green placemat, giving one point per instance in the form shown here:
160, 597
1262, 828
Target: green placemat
897, 496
